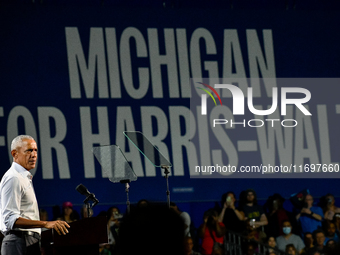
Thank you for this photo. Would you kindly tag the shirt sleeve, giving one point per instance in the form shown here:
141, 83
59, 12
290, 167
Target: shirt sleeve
10, 201
319, 211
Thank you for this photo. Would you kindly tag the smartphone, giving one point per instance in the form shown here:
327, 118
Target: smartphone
252, 223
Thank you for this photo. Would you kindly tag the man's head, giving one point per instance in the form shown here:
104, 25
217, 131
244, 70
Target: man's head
329, 228
188, 244
275, 201
330, 199
309, 200
308, 239
250, 249
319, 237
331, 245
24, 151
151, 228
174, 207
251, 196
286, 227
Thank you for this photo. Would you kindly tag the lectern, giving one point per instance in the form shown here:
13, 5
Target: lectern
83, 238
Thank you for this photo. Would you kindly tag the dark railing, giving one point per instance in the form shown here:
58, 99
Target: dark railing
235, 243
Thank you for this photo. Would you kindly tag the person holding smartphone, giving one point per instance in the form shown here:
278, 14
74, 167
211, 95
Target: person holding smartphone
231, 217
252, 209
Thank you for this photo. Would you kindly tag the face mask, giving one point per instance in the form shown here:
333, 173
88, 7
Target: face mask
286, 230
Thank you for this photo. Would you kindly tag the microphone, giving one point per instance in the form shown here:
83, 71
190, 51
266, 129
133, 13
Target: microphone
82, 190
89, 196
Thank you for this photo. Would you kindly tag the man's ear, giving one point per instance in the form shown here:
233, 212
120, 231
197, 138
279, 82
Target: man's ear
14, 153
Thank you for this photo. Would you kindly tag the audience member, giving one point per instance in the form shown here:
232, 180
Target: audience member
156, 228
272, 244
308, 240
253, 233
152, 230
189, 244
84, 212
251, 209
56, 212
331, 247
43, 217
310, 216
319, 237
113, 223
330, 231
336, 221
143, 203
104, 249
289, 238
328, 206
291, 250
250, 249
184, 216
276, 215
231, 217
68, 214
211, 232
43, 214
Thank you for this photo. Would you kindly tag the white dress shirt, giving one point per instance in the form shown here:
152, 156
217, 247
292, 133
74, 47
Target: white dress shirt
17, 199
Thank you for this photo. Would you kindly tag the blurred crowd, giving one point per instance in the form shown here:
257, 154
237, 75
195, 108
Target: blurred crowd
309, 228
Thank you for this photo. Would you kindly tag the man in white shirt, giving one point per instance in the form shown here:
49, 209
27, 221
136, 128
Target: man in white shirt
19, 213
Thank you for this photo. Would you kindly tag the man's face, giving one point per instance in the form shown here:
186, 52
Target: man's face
320, 239
188, 245
26, 155
308, 239
250, 197
309, 200
331, 229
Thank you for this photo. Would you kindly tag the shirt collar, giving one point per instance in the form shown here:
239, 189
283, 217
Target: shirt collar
21, 170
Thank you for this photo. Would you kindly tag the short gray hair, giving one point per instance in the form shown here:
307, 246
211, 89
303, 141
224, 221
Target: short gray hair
17, 141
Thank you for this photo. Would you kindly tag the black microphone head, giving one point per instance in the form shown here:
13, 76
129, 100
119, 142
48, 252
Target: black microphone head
82, 189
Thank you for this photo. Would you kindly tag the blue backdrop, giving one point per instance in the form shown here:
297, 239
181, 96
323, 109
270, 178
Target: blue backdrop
76, 76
